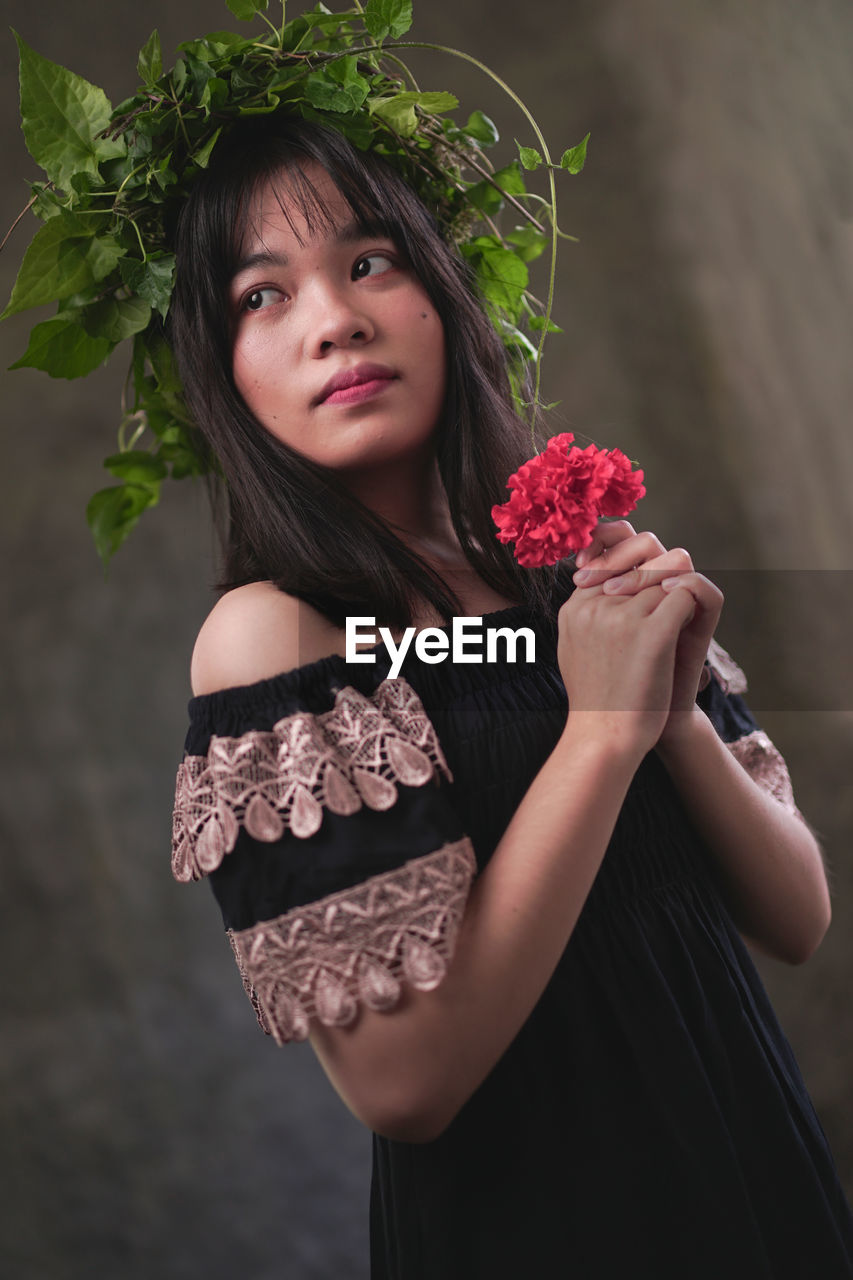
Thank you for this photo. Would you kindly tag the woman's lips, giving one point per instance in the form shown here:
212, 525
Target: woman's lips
361, 382
360, 391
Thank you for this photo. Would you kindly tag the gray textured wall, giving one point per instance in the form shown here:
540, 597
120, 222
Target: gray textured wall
148, 1128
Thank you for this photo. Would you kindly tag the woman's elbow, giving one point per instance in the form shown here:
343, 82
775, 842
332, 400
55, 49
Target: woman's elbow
796, 946
396, 1099
401, 1086
402, 1115
809, 942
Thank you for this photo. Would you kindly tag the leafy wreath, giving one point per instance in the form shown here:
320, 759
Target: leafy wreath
111, 173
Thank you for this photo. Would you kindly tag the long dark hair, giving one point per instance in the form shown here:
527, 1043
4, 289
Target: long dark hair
284, 517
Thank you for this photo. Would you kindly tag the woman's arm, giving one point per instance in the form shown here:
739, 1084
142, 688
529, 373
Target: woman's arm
406, 1074
771, 864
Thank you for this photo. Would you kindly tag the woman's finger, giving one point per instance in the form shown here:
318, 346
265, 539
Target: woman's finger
653, 572
689, 579
619, 556
706, 593
607, 534
708, 600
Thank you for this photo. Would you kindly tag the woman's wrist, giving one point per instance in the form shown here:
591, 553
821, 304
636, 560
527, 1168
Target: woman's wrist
610, 738
681, 732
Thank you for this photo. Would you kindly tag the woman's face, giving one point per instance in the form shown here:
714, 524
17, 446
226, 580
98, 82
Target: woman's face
338, 350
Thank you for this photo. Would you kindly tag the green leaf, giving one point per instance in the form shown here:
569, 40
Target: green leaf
530, 242
176, 449
62, 116
137, 466
264, 109
140, 147
397, 113
434, 101
216, 93
150, 64
518, 342
482, 129
529, 156
501, 274
116, 319
537, 324
488, 196
398, 110
47, 201
200, 50
295, 34
222, 43
81, 186
326, 91
199, 73
388, 18
358, 130
112, 513
159, 356
345, 70
202, 156
485, 197
162, 174
63, 348
179, 76
245, 10
509, 179
575, 157
151, 280
65, 257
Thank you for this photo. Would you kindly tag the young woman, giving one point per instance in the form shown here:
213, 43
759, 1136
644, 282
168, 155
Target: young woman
506, 900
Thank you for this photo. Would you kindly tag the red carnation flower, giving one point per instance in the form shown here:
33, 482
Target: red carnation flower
558, 496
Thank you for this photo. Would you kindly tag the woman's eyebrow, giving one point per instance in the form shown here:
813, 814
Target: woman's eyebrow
348, 233
353, 231
263, 257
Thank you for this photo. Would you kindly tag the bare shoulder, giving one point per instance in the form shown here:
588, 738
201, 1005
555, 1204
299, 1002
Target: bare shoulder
257, 631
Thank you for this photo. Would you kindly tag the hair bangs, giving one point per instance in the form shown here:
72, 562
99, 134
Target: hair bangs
379, 201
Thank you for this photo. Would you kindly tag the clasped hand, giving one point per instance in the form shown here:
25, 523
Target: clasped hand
634, 635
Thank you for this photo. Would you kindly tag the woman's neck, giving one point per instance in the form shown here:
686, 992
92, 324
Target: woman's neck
409, 497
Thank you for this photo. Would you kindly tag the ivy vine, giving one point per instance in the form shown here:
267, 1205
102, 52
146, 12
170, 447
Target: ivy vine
111, 173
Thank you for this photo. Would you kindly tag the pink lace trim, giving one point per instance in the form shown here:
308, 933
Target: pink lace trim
269, 782
765, 765
247, 984
354, 948
729, 675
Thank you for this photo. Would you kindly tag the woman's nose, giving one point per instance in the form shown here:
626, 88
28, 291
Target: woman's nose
337, 320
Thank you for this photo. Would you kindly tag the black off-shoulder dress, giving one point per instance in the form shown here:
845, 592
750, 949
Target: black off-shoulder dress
649, 1120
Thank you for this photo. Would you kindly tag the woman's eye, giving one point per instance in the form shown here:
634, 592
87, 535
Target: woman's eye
260, 298
374, 264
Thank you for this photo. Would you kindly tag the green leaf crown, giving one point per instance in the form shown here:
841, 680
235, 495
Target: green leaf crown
113, 173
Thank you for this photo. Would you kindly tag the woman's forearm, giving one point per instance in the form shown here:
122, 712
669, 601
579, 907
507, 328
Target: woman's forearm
770, 863
406, 1074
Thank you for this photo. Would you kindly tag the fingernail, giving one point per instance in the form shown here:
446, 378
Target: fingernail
582, 576
613, 585
582, 557
669, 583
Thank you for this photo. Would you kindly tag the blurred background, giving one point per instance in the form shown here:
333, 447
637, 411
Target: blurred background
149, 1129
